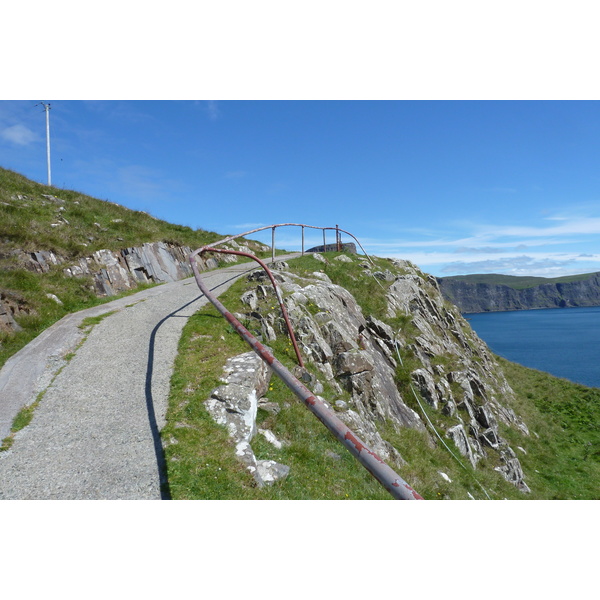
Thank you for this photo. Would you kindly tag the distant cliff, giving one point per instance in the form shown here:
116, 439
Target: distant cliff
474, 297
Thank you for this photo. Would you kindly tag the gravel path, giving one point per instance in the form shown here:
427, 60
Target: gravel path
95, 434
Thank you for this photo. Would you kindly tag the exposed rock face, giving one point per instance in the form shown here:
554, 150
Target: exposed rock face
114, 272
484, 297
235, 404
157, 262
442, 359
11, 306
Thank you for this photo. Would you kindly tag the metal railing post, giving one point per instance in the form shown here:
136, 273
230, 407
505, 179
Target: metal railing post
273, 245
324, 243
302, 240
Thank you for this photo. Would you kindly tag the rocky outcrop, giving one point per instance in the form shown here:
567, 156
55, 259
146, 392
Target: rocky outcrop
11, 305
484, 297
112, 272
235, 404
115, 271
377, 372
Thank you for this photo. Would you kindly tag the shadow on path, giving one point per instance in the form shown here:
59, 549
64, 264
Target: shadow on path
165, 493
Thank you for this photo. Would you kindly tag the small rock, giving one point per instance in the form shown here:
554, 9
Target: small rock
270, 437
270, 407
321, 276
445, 477
250, 299
55, 298
270, 471
386, 275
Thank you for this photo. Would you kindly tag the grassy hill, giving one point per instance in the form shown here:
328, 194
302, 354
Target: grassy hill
74, 224
35, 217
515, 282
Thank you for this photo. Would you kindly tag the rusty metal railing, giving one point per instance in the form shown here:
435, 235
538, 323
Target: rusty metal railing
274, 227
384, 474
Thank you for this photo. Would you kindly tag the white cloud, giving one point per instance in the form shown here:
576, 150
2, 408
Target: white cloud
247, 226
19, 134
574, 226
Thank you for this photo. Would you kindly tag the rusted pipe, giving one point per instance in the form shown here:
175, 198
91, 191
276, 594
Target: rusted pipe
384, 474
277, 293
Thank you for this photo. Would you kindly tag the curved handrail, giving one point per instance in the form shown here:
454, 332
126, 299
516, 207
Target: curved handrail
273, 227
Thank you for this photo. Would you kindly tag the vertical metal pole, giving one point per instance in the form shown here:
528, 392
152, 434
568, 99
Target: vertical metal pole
273, 245
302, 240
47, 109
324, 243
337, 237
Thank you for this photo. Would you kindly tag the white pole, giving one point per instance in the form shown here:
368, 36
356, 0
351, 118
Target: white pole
47, 109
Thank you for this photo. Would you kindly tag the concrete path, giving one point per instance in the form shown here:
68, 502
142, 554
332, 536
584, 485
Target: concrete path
96, 431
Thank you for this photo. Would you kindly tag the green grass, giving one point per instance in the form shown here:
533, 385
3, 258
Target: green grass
200, 455
89, 322
93, 224
563, 450
561, 457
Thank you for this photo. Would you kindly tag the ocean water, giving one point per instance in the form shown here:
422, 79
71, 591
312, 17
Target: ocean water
562, 341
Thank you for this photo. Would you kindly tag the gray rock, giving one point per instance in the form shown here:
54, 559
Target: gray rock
271, 438
235, 404
458, 435
270, 407
279, 265
270, 471
425, 383
352, 363
386, 275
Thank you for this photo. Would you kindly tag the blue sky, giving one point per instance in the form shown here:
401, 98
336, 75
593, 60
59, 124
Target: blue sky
455, 186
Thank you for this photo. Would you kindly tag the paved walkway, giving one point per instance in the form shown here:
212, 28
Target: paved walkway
95, 434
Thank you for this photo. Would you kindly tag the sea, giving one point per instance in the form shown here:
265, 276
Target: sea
564, 342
